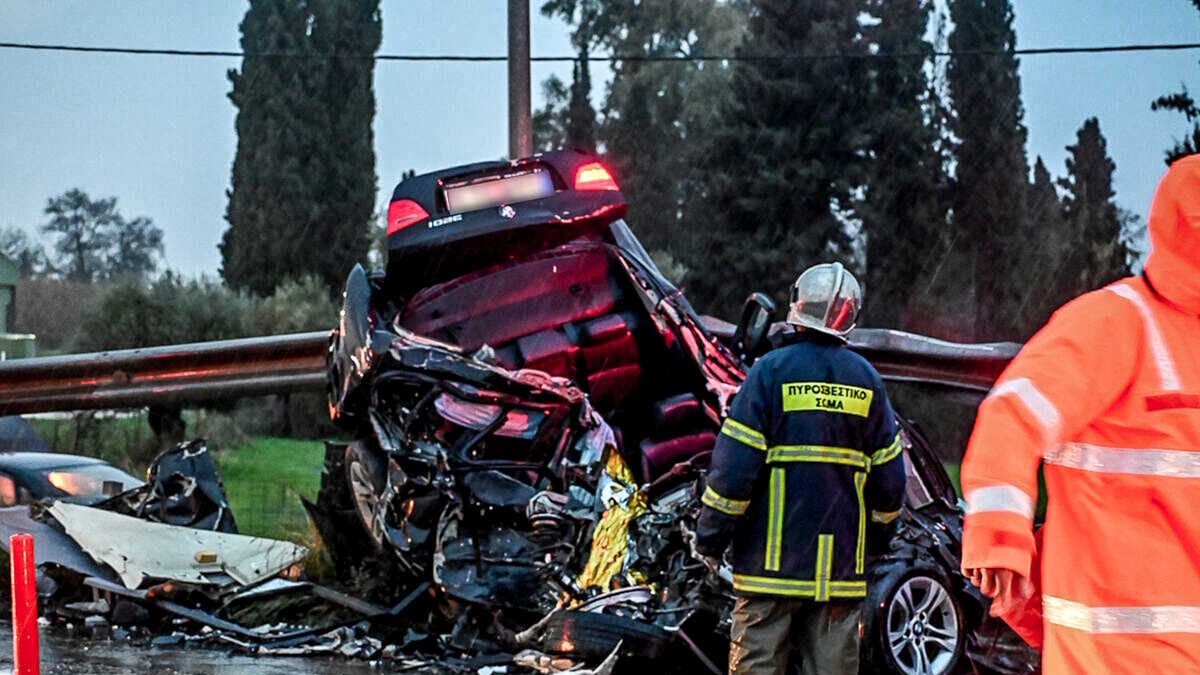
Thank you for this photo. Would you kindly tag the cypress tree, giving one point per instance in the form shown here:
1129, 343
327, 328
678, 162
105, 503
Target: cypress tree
991, 166
1097, 252
786, 155
904, 206
269, 199
303, 184
581, 117
348, 32
1040, 295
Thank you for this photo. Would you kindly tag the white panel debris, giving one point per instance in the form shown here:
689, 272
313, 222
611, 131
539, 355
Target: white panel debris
137, 549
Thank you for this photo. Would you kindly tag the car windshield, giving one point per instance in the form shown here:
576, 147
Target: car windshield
92, 480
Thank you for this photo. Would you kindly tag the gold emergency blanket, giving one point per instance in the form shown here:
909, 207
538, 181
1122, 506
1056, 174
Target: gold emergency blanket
610, 541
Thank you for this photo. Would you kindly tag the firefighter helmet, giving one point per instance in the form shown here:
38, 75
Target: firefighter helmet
825, 298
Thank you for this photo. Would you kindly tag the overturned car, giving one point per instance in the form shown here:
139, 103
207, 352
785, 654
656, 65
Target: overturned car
534, 406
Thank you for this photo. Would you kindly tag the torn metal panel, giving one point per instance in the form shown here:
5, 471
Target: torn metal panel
184, 488
137, 549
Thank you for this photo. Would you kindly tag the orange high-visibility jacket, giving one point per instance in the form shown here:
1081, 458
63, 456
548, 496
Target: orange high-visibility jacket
1107, 398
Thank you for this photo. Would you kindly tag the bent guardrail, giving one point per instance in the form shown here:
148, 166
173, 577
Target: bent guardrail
209, 371
187, 373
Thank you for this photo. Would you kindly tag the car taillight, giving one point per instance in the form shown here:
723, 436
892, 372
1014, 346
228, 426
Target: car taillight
402, 213
594, 177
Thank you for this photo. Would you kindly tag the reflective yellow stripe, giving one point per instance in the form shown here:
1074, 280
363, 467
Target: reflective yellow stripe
797, 587
824, 566
733, 507
884, 517
775, 519
887, 454
824, 454
743, 434
860, 549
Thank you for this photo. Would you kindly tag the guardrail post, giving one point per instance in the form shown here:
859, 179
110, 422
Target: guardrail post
24, 605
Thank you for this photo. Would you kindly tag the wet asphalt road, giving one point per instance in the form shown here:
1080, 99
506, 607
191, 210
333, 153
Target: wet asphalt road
60, 654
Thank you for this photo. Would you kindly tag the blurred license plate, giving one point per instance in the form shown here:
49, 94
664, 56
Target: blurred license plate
497, 190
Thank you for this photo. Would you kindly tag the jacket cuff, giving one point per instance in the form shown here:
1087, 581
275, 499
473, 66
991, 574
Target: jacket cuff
1004, 545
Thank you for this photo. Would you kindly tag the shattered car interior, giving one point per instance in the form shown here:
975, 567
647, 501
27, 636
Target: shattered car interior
533, 407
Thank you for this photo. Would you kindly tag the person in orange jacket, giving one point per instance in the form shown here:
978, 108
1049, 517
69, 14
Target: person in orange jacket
1106, 397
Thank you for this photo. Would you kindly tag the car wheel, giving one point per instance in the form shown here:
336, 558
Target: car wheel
917, 625
594, 635
366, 478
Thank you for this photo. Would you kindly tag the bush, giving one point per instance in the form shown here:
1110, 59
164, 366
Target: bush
55, 311
168, 311
172, 311
296, 306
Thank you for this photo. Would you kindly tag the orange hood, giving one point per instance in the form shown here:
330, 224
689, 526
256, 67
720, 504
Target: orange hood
1174, 262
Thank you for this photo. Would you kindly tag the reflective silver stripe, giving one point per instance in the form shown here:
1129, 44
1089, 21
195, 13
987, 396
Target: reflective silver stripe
1160, 619
1028, 393
1000, 498
1158, 346
1148, 462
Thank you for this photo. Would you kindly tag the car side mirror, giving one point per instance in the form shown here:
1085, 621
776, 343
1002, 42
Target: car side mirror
750, 336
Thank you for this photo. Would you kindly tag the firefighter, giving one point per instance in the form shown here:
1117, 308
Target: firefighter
808, 457
1106, 397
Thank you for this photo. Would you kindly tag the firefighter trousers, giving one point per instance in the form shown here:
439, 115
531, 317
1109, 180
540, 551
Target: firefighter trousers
819, 637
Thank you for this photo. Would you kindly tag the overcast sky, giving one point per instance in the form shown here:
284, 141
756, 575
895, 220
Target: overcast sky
158, 132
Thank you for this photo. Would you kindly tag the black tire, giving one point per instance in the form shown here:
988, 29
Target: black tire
365, 472
334, 514
593, 636
893, 633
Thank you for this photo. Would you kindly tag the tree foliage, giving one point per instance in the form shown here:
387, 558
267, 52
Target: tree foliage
859, 146
783, 163
172, 310
991, 169
93, 241
303, 182
1184, 103
30, 256
906, 199
1097, 251
655, 115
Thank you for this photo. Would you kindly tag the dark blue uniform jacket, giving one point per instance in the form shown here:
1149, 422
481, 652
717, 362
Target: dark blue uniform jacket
808, 458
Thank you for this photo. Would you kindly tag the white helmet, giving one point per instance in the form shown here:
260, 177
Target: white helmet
825, 298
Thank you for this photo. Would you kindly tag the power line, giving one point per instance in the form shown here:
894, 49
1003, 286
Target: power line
450, 58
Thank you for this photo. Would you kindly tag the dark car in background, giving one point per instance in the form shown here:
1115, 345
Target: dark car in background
522, 370
27, 477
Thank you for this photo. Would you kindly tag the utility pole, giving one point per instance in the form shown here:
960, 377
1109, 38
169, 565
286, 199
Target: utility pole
520, 109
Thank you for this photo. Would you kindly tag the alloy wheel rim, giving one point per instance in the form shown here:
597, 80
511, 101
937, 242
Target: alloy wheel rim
922, 627
365, 498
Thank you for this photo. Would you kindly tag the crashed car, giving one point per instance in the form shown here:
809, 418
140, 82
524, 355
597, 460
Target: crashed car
534, 406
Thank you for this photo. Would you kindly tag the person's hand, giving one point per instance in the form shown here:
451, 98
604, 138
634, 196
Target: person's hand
711, 563
1005, 587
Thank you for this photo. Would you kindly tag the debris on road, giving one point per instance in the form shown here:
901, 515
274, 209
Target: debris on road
138, 549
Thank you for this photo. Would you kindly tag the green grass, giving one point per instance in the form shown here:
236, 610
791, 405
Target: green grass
264, 480
953, 471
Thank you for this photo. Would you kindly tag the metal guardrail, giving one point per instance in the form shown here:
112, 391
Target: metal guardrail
908, 357
188, 373
211, 371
